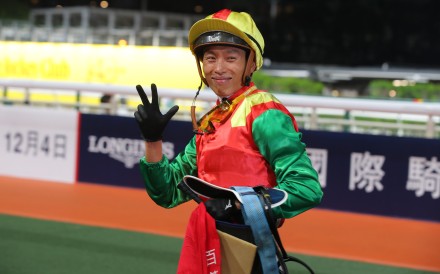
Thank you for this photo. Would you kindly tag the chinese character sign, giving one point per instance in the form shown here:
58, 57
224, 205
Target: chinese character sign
39, 143
424, 176
366, 171
373, 174
319, 162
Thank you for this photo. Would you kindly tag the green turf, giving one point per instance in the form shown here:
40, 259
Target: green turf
31, 246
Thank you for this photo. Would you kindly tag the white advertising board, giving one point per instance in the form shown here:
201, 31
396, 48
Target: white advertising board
38, 143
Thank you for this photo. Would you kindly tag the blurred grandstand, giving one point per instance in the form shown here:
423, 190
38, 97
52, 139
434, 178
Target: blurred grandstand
94, 25
101, 26
91, 25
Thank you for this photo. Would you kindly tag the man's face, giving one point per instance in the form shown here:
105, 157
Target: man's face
223, 67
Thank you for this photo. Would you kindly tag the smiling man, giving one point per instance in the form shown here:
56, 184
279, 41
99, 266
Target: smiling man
248, 139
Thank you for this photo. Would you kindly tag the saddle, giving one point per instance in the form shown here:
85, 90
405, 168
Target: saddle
259, 227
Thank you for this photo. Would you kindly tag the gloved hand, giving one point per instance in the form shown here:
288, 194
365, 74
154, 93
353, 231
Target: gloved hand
223, 209
148, 116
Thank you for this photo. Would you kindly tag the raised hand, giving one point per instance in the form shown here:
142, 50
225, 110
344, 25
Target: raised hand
151, 121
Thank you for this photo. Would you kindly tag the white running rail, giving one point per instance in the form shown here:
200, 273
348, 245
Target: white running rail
401, 118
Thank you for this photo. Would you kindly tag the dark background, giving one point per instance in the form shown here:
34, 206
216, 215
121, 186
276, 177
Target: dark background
399, 33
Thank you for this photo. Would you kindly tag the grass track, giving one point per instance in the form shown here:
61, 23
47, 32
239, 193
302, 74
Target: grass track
33, 246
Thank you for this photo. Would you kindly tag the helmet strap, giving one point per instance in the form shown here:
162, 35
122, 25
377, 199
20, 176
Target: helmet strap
247, 74
193, 109
199, 68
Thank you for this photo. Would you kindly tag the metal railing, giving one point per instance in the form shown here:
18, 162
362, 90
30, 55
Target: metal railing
400, 118
100, 26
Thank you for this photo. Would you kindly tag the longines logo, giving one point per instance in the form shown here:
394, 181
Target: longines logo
127, 151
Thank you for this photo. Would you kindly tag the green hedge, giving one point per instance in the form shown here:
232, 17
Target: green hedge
377, 89
287, 84
423, 91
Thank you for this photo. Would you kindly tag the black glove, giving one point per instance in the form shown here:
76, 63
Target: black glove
223, 209
148, 116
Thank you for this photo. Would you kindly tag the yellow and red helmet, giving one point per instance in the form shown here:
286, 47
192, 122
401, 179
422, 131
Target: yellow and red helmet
227, 27
239, 24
